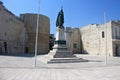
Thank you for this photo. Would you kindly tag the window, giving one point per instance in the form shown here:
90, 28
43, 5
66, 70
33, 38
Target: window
119, 33
116, 33
74, 45
103, 35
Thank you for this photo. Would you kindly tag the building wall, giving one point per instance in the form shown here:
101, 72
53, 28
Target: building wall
93, 39
73, 39
109, 39
116, 37
90, 39
43, 34
12, 32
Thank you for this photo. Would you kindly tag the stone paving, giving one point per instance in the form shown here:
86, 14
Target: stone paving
22, 68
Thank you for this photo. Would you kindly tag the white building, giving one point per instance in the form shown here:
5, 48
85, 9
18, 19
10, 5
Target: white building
91, 39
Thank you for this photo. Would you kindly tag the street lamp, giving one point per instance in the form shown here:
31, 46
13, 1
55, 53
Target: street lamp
105, 38
36, 43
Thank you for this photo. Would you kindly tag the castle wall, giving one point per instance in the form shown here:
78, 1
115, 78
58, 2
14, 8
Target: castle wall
43, 34
12, 32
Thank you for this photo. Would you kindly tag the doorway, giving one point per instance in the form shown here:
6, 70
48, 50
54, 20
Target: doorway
1, 50
5, 46
117, 49
26, 49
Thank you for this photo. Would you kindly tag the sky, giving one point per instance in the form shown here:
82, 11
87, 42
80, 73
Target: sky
77, 13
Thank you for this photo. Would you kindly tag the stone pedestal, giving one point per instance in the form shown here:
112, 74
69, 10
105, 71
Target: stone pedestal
60, 49
60, 53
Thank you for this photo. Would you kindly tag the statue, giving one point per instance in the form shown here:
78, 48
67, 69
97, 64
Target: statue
60, 19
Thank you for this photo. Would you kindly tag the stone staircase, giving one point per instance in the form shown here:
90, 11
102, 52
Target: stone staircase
49, 59
66, 60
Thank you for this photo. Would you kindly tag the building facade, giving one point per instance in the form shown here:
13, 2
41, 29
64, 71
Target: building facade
12, 32
17, 34
43, 32
115, 26
91, 39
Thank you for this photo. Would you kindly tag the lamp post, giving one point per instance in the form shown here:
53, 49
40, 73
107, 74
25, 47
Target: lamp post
37, 26
105, 38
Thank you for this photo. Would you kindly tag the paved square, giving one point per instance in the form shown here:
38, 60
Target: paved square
22, 68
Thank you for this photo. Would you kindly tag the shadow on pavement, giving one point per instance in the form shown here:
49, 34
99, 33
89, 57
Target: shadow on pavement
19, 55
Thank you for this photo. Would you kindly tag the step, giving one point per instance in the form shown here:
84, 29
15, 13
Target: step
70, 60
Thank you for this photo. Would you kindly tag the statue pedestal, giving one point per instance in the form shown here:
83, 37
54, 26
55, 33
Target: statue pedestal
60, 49
60, 53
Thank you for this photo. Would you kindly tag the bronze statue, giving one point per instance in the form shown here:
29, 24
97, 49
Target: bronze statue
60, 19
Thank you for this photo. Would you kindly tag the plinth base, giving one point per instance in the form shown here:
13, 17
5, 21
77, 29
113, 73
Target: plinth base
51, 60
60, 54
61, 51
66, 60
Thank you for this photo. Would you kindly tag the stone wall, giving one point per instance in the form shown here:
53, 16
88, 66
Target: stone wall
43, 34
12, 32
93, 39
73, 39
102, 39
89, 36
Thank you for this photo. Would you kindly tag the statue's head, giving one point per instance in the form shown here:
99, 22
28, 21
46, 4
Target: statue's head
61, 9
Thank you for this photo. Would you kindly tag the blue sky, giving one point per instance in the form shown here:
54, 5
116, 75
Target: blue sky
77, 13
